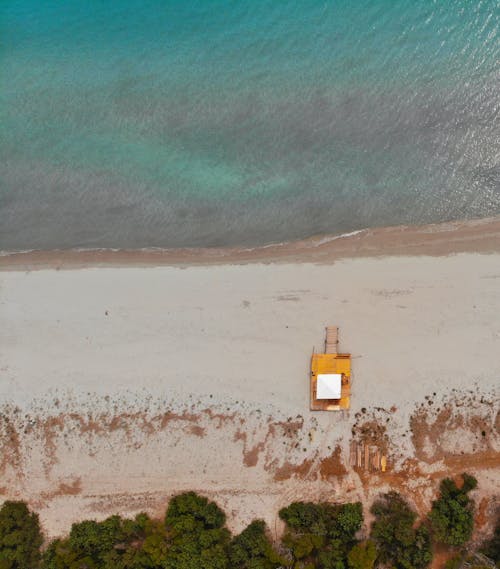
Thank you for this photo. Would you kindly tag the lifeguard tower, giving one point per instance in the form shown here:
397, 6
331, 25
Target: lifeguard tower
330, 380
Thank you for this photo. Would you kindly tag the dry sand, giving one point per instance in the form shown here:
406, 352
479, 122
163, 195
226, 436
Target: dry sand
121, 386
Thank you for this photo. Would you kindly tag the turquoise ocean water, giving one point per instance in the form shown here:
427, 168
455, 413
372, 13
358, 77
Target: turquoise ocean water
138, 123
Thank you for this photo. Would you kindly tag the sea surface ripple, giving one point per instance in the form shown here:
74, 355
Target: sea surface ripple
144, 123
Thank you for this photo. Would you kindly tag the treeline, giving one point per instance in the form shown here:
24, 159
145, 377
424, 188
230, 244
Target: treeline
193, 535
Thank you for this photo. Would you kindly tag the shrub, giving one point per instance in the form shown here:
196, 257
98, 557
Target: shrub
362, 556
340, 521
189, 511
492, 547
398, 542
454, 562
198, 539
20, 537
252, 549
113, 543
321, 534
452, 515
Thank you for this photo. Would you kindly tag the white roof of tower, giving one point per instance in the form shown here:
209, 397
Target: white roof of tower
329, 386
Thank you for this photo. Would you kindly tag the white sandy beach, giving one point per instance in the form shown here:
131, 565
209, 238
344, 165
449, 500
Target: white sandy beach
121, 386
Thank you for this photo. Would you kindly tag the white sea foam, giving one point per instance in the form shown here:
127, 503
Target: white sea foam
329, 238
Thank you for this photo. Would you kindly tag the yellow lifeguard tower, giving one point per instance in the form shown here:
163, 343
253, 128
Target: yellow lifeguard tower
330, 376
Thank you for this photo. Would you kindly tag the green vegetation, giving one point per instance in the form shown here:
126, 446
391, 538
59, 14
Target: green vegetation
492, 547
20, 537
114, 543
252, 549
193, 535
197, 536
321, 535
452, 516
399, 543
362, 556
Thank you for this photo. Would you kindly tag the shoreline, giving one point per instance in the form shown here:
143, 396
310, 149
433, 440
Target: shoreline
474, 236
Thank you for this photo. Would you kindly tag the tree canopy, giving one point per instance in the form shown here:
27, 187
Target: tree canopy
114, 543
252, 549
362, 556
452, 514
198, 538
20, 537
321, 534
193, 535
399, 543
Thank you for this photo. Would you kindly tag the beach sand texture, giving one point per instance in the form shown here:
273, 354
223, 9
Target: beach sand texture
121, 386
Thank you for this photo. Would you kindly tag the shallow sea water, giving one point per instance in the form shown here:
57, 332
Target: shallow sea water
196, 123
